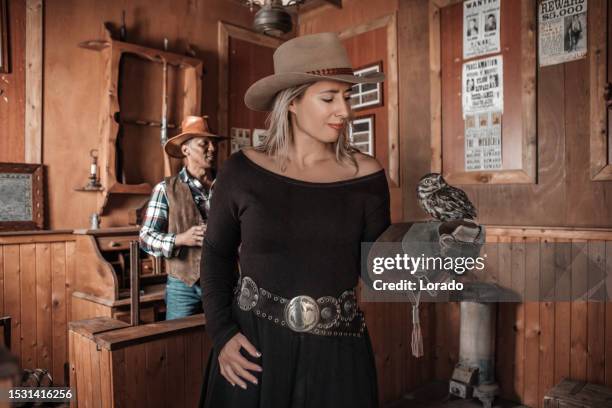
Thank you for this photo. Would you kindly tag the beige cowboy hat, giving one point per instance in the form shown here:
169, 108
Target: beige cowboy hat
192, 126
302, 60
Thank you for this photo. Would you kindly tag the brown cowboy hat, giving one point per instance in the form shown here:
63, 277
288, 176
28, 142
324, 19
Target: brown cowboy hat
192, 126
302, 60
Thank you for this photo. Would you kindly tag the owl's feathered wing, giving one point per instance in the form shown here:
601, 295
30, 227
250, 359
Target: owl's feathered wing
450, 203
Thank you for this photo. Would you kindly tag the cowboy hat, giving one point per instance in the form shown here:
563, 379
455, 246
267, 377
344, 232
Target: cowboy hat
302, 60
192, 126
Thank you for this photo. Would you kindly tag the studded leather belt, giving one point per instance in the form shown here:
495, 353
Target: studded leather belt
325, 316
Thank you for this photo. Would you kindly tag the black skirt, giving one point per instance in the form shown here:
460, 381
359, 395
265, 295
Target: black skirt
300, 370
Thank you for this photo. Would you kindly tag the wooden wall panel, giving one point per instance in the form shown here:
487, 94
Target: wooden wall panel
27, 269
539, 343
58, 308
44, 327
12, 85
34, 290
11, 294
564, 195
247, 63
71, 117
353, 14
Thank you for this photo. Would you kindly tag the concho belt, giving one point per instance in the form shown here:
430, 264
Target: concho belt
325, 316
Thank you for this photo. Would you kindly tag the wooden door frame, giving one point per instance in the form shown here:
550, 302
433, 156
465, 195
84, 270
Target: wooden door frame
391, 77
225, 31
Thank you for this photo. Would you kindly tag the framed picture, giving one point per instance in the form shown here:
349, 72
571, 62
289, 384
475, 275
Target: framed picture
21, 197
259, 137
367, 95
361, 134
239, 138
4, 57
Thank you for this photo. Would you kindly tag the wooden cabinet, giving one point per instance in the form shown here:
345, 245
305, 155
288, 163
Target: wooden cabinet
153, 365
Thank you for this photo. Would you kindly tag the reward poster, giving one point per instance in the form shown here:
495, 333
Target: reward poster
563, 31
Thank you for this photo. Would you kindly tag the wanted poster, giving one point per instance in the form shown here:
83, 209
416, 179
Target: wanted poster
562, 31
482, 86
239, 138
480, 27
259, 137
483, 141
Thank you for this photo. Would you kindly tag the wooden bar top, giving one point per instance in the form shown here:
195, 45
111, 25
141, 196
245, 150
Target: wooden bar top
90, 327
122, 337
34, 232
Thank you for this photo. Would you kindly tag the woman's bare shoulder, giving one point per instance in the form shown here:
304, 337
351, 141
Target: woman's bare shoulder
367, 164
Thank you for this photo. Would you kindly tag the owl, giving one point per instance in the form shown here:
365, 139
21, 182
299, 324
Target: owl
443, 202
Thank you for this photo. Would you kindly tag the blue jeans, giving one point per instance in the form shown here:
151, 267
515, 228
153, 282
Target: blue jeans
181, 299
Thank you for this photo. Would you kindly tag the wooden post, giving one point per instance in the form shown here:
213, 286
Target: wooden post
135, 283
34, 76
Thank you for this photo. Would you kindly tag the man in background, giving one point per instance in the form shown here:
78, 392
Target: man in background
175, 221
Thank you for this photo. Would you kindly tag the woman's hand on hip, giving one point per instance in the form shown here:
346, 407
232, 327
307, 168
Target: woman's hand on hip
233, 365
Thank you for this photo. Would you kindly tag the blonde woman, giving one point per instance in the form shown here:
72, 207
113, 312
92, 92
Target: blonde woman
289, 333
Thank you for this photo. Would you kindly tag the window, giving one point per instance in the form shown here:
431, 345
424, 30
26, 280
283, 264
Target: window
367, 95
361, 134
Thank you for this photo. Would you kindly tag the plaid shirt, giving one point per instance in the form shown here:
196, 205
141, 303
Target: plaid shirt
154, 236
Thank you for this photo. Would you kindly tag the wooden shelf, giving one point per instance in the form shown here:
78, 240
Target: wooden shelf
144, 188
185, 93
88, 190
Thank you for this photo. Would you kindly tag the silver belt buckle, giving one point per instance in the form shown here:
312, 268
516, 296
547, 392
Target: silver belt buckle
302, 313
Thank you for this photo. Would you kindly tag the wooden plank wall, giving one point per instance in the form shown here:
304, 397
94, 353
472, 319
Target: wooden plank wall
36, 272
359, 13
539, 343
71, 118
564, 194
12, 85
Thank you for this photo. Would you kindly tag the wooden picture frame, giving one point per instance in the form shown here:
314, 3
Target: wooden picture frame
519, 126
358, 92
21, 197
4, 37
371, 142
600, 66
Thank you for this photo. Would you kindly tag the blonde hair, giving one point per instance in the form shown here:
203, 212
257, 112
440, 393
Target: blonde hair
279, 134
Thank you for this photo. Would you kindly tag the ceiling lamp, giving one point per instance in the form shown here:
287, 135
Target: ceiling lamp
272, 18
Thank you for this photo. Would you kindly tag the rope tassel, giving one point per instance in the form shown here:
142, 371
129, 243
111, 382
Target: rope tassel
417, 335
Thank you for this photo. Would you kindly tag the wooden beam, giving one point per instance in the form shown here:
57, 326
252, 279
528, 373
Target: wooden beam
435, 83
34, 77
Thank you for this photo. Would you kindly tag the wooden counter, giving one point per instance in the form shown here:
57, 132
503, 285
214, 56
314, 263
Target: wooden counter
154, 365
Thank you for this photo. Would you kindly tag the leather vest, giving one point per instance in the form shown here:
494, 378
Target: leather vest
183, 214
